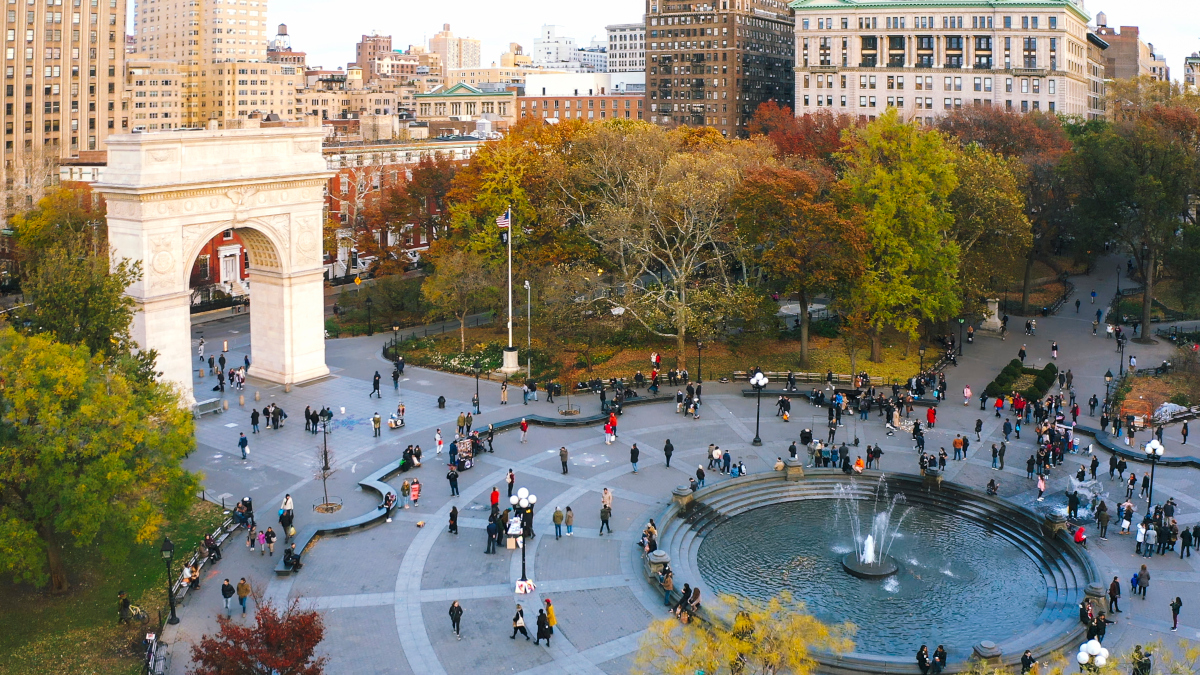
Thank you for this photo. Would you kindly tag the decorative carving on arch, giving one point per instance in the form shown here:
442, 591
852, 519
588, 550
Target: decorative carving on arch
161, 261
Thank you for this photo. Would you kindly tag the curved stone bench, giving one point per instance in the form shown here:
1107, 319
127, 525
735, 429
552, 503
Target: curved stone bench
1105, 440
1067, 569
377, 480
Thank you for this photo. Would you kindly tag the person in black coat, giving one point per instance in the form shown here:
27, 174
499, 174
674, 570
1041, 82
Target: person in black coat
543, 628
456, 612
668, 450
923, 659
634, 453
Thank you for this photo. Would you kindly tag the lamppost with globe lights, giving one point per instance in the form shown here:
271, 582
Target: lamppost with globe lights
168, 552
1092, 656
395, 339
699, 362
921, 353
759, 382
961, 322
1154, 452
522, 504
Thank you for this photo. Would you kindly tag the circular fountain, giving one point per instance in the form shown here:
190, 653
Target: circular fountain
906, 563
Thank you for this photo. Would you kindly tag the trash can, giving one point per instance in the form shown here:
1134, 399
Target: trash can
1045, 311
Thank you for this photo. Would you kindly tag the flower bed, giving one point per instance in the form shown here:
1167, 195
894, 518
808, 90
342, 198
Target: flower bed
1032, 383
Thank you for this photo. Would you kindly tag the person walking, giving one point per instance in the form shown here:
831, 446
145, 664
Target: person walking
493, 532
524, 430
511, 480
415, 491
376, 423
456, 612
1041, 486
227, 592
562, 457
543, 628
967, 395
551, 618
452, 477
243, 592
569, 520
1143, 583
518, 623
453, 526
633, 456
243, 445
254, 420
1021, 354
605, 514
504, 393
558, 522
395, 379
668, 450
700, 475
978, 430
1185, 542
1114, 595
1175, 607
1184, 431
375, 386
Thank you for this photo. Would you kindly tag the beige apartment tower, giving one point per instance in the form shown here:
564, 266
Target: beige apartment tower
63, 69
456, 52
221, 48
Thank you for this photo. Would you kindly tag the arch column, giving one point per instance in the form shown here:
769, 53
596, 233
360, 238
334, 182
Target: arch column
168, 193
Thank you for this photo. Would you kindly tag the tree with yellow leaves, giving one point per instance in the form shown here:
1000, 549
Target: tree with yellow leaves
752, 638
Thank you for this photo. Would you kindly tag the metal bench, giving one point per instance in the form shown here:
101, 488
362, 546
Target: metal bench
210, 405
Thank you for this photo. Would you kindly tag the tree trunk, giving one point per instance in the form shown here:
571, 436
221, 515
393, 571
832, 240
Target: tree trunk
803, 327
1025, 284
1147, 295
876, 345
462, 330
58, 569
680, 350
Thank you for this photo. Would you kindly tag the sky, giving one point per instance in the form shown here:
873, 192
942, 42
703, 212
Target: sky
328, 32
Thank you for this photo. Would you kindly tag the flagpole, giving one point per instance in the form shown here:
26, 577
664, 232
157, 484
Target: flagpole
510, 296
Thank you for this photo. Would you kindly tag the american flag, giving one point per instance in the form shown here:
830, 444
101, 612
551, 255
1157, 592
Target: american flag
502, 221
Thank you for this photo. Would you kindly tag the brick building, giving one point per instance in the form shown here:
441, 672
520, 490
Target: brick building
713, 64
599, 107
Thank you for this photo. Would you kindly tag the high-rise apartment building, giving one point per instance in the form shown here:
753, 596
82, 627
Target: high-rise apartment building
370, 48
1127, 56
63, 73
153, 95
221, 46
713, 64
456, 52
927, 58
627, 47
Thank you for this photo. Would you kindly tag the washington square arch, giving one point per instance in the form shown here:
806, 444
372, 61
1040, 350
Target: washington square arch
169, 193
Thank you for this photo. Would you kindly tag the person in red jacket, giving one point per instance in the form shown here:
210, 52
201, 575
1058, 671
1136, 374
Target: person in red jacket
931, 417
524, 429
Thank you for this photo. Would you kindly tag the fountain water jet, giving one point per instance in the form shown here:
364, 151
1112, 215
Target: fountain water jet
870, 560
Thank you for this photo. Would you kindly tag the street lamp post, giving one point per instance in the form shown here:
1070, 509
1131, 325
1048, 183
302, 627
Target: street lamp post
1154, 452
961, 322
1121, 358
478, 366
921, 353
168, 552
1108, 378
699, 362
369, 302
1118, 292
522, 503
395, 338
759, 382
528, 316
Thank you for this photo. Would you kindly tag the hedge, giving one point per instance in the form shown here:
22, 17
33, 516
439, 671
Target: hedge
1008, 376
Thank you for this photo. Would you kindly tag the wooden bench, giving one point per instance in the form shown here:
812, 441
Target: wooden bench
209, 405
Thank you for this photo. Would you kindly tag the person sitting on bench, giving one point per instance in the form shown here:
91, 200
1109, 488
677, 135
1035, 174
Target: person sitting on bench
292, 559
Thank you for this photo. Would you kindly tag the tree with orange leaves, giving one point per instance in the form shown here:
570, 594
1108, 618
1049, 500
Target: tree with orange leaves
805, 242
811, 136
279, 643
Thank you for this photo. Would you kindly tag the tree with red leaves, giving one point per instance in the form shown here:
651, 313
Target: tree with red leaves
277, 644
810, 136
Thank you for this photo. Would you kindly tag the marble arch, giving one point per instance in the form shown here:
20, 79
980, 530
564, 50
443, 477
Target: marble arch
170, 192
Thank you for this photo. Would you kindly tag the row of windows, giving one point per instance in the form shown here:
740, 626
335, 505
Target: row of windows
901, 22
579, 103
591, 114
925, 103
925, 82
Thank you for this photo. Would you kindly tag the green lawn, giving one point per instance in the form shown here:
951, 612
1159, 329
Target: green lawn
77, 633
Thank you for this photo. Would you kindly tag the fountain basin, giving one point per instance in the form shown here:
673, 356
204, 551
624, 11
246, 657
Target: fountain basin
876, 570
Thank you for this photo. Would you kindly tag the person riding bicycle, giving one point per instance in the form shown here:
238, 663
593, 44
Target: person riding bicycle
125, 615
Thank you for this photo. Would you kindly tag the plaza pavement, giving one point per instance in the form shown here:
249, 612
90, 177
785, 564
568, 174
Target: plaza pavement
385, 591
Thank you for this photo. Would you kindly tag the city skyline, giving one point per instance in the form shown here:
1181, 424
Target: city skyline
329, 40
